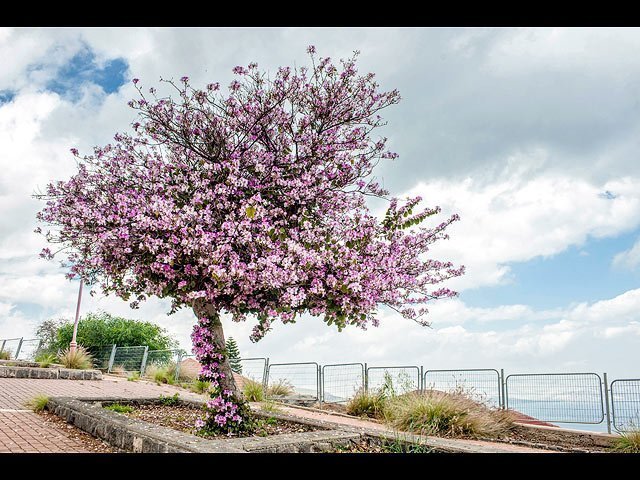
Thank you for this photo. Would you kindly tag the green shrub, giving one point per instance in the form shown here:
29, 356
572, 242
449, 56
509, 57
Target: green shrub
365, 404
119, 408
38, 403
5, 355
281, 388
104, 329
133, 377
253, 391
45, 359
80, 359
448, 414
200, 386
628, 442
170, 401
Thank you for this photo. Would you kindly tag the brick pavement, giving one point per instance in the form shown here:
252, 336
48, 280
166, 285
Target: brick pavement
22, 431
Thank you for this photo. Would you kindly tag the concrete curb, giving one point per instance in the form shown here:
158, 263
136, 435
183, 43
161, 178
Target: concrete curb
49, 373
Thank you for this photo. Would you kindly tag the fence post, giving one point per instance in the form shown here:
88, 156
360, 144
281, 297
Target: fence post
19, 347
502, 389
178, 362
320, 385
366, 379
112, 358
606, 401
143, 363
3, 344
265, 376
421, 380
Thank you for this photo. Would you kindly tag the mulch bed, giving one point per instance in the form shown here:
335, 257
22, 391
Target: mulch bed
89, 442
183, 417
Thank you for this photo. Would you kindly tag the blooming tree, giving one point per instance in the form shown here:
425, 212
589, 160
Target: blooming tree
250, 202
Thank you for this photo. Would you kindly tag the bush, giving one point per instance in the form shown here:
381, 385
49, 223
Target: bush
628, 442
281, 388
447, 414
5, 355
104, 329
252, 391
170, 400
80, 359
38, 403
365, 404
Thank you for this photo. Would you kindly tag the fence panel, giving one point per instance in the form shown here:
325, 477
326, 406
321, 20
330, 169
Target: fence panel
625, 404
341, 381
557, 397
481, 384
128, 359
402, 379
9, 345
29, 349
101, 355
301, 378
254, 369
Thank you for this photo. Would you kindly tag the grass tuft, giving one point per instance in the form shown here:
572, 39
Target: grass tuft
366, 404
81, 359
170, 401
252, 391
628, 442
446, 414
119, 408
200, 386
281, 388
270, 407
38, 403
45, 359
5, 355
162, 374
133, 377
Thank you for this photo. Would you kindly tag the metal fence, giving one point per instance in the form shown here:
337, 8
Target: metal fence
10, 345
625, 404
302, 378
103, 355
254, 369
129, 359
557, 397
483, 384
28, 349
341, 381
400, 379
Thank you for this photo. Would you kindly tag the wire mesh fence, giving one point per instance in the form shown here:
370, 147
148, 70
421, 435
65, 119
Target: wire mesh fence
625, 404
341, 381
10, 346
293, 380
253, 369
557, 397
101, 355
399, 379
482, 385
129, 359
28, 349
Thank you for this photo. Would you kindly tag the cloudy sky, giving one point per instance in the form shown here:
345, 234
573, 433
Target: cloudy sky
531, 135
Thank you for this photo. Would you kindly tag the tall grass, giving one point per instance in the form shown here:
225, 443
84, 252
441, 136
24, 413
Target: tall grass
5, 355
38, 403
80, 359
446, 414
45, 359
366, 404
628, 442
162, 374
252, 391
281, 388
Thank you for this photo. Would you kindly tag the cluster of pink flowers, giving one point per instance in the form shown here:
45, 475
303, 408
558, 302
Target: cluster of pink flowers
223, 410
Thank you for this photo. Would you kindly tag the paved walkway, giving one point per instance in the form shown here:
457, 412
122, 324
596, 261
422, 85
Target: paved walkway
22, 431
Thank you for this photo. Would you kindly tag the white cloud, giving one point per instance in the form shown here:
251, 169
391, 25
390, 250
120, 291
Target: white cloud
628, 259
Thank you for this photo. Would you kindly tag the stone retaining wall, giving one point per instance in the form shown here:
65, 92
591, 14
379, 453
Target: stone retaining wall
49, 373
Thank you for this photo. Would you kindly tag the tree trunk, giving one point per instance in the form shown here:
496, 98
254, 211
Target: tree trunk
216, 338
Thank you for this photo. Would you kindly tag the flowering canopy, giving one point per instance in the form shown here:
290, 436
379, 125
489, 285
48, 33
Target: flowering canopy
253, 201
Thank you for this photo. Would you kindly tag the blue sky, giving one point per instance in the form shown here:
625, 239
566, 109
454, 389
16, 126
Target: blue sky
520, 131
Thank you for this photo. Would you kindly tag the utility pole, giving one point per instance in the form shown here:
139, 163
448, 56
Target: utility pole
73, 345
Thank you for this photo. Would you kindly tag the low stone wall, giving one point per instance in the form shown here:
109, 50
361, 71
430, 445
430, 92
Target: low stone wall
143, 437
48, 373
